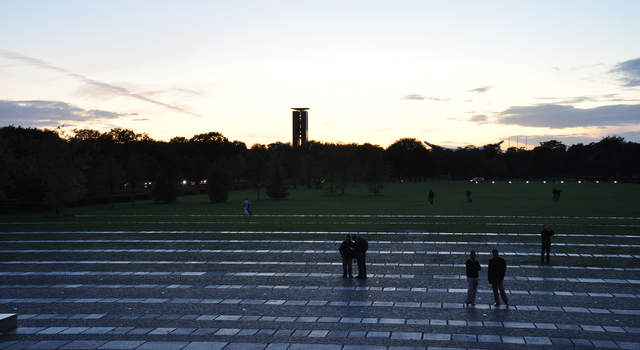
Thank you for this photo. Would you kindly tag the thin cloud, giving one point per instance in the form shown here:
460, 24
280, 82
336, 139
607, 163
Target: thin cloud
39, 113
172, 91
580, 99
478, 118
563, 116
629, 72
114, 89
418, 97
482, 89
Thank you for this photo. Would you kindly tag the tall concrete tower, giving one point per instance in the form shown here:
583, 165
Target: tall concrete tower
300, 127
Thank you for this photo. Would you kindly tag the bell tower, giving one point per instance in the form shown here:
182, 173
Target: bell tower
300, 127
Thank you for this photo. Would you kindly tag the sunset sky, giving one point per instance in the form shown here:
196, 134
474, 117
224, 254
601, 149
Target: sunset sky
472, 72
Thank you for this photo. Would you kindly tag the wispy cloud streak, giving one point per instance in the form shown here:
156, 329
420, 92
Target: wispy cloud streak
418, 97
481, 89
116, 90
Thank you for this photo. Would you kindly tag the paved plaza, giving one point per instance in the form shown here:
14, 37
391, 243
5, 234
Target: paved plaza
230, 290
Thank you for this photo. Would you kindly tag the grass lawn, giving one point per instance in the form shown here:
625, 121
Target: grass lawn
498, 208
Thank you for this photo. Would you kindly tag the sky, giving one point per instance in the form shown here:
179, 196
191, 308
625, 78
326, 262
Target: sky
454, 74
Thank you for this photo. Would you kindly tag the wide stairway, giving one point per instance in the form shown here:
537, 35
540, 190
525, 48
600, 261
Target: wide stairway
263, 290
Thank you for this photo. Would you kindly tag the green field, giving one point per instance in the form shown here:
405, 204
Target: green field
500, 207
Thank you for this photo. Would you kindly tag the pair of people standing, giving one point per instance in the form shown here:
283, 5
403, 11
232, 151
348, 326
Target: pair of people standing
497, 270
354, 247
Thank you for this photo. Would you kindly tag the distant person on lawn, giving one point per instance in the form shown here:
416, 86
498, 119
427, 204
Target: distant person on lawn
347, 251
497, 270
430, 196
545, 235
246, 207
468, 193
361, 255
556, 194
473, 267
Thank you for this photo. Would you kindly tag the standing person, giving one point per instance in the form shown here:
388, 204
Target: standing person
468, 193
361, 254
545, 235
246, 207
347, 251
497, 270
473, 267
430, 196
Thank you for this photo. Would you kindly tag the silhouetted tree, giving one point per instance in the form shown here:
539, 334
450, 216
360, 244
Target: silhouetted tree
375, 169
408, 158
165, 186
277, 188
40, 168
218, 183
257, 167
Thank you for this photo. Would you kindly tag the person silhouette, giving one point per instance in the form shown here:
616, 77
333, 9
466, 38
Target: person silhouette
472, 267
347, 251
497, 270
361, 254
545, 237
246, 207
468, 193
430, 196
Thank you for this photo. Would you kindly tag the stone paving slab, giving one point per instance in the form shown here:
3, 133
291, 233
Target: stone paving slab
121, 345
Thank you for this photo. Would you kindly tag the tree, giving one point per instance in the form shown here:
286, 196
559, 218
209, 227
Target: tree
375, 168
218, 183
276, 188
213, 137
256, 167
165, 186
409, 158
43, 169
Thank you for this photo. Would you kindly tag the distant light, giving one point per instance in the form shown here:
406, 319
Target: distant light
527, 181
615, 181
470, 180
597, 181
561, 181
493, 182
509, 181
476, 182
579, 181
184, 182
544, 181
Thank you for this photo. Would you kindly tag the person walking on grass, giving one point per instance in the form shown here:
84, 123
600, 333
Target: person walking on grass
473, 267
361, 255
497, 270
246, 207
545, 235
347, 251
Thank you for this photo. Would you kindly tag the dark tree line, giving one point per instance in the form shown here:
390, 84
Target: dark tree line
40, 168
